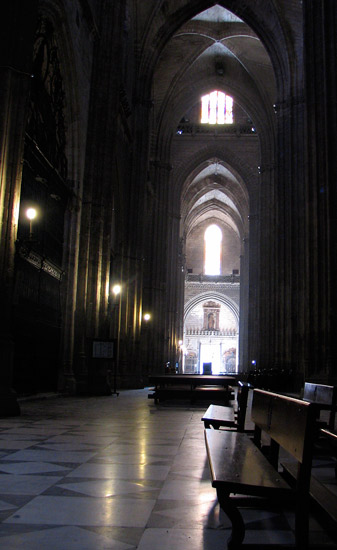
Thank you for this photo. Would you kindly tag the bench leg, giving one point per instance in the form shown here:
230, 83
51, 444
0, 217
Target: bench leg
302, 524
238, 527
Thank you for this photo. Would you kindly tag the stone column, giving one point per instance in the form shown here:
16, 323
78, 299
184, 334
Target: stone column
174, 284
155, 283
18, 22
267, 273
290, 230
244, 300
67, 379
100, 188
137, 333
320, 43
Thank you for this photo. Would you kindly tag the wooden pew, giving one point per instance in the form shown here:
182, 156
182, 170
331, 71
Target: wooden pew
319, 491
192, 386
218, 416
323, 397
331, 438
239, 466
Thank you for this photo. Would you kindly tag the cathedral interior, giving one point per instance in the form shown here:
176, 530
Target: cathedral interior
168, 192
168, 206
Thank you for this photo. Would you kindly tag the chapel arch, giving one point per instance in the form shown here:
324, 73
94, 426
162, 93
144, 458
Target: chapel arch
211, 334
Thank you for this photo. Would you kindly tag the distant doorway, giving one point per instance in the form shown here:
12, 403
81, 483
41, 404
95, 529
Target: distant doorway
211, 353
211, 333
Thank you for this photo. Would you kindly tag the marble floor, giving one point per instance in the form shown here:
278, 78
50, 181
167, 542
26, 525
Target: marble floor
118, 473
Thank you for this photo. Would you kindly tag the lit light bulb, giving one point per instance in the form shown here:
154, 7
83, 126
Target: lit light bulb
116, 289
31, 213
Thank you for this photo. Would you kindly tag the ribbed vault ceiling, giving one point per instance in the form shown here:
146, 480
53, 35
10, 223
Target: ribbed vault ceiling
214, 50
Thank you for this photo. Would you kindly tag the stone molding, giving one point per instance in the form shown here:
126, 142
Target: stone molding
39, 262
212, 279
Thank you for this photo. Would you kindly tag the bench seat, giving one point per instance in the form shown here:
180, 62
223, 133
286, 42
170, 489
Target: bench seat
248, 472
218, 415
228, 416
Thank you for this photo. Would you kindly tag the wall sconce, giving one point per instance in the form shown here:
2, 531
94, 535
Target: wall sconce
147, 317
31, 214
116, 289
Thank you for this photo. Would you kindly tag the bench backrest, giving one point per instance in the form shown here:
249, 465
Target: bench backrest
319, 393
288, 421
331, 436
242, 400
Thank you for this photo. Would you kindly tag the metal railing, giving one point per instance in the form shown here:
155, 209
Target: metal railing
190, 129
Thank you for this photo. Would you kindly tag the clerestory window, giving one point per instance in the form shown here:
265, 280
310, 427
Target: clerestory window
213, 238
216, 108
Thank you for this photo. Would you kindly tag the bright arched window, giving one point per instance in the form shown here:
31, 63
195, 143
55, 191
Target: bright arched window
216, 108
213, 238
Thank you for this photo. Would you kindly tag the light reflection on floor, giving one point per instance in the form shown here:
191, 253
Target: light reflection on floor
117, 473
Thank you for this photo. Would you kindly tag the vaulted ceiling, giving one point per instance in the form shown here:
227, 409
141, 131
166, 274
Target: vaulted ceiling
213, 50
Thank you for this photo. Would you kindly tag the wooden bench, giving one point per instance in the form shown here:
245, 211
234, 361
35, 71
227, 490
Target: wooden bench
192, 386
331, 438
218, 416
319, 491
239, 466
323, 397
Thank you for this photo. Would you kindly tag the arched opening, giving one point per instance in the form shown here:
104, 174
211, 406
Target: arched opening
214, 249
211, 335
214, 177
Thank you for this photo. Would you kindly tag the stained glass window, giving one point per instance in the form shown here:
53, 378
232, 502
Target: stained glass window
216, 108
